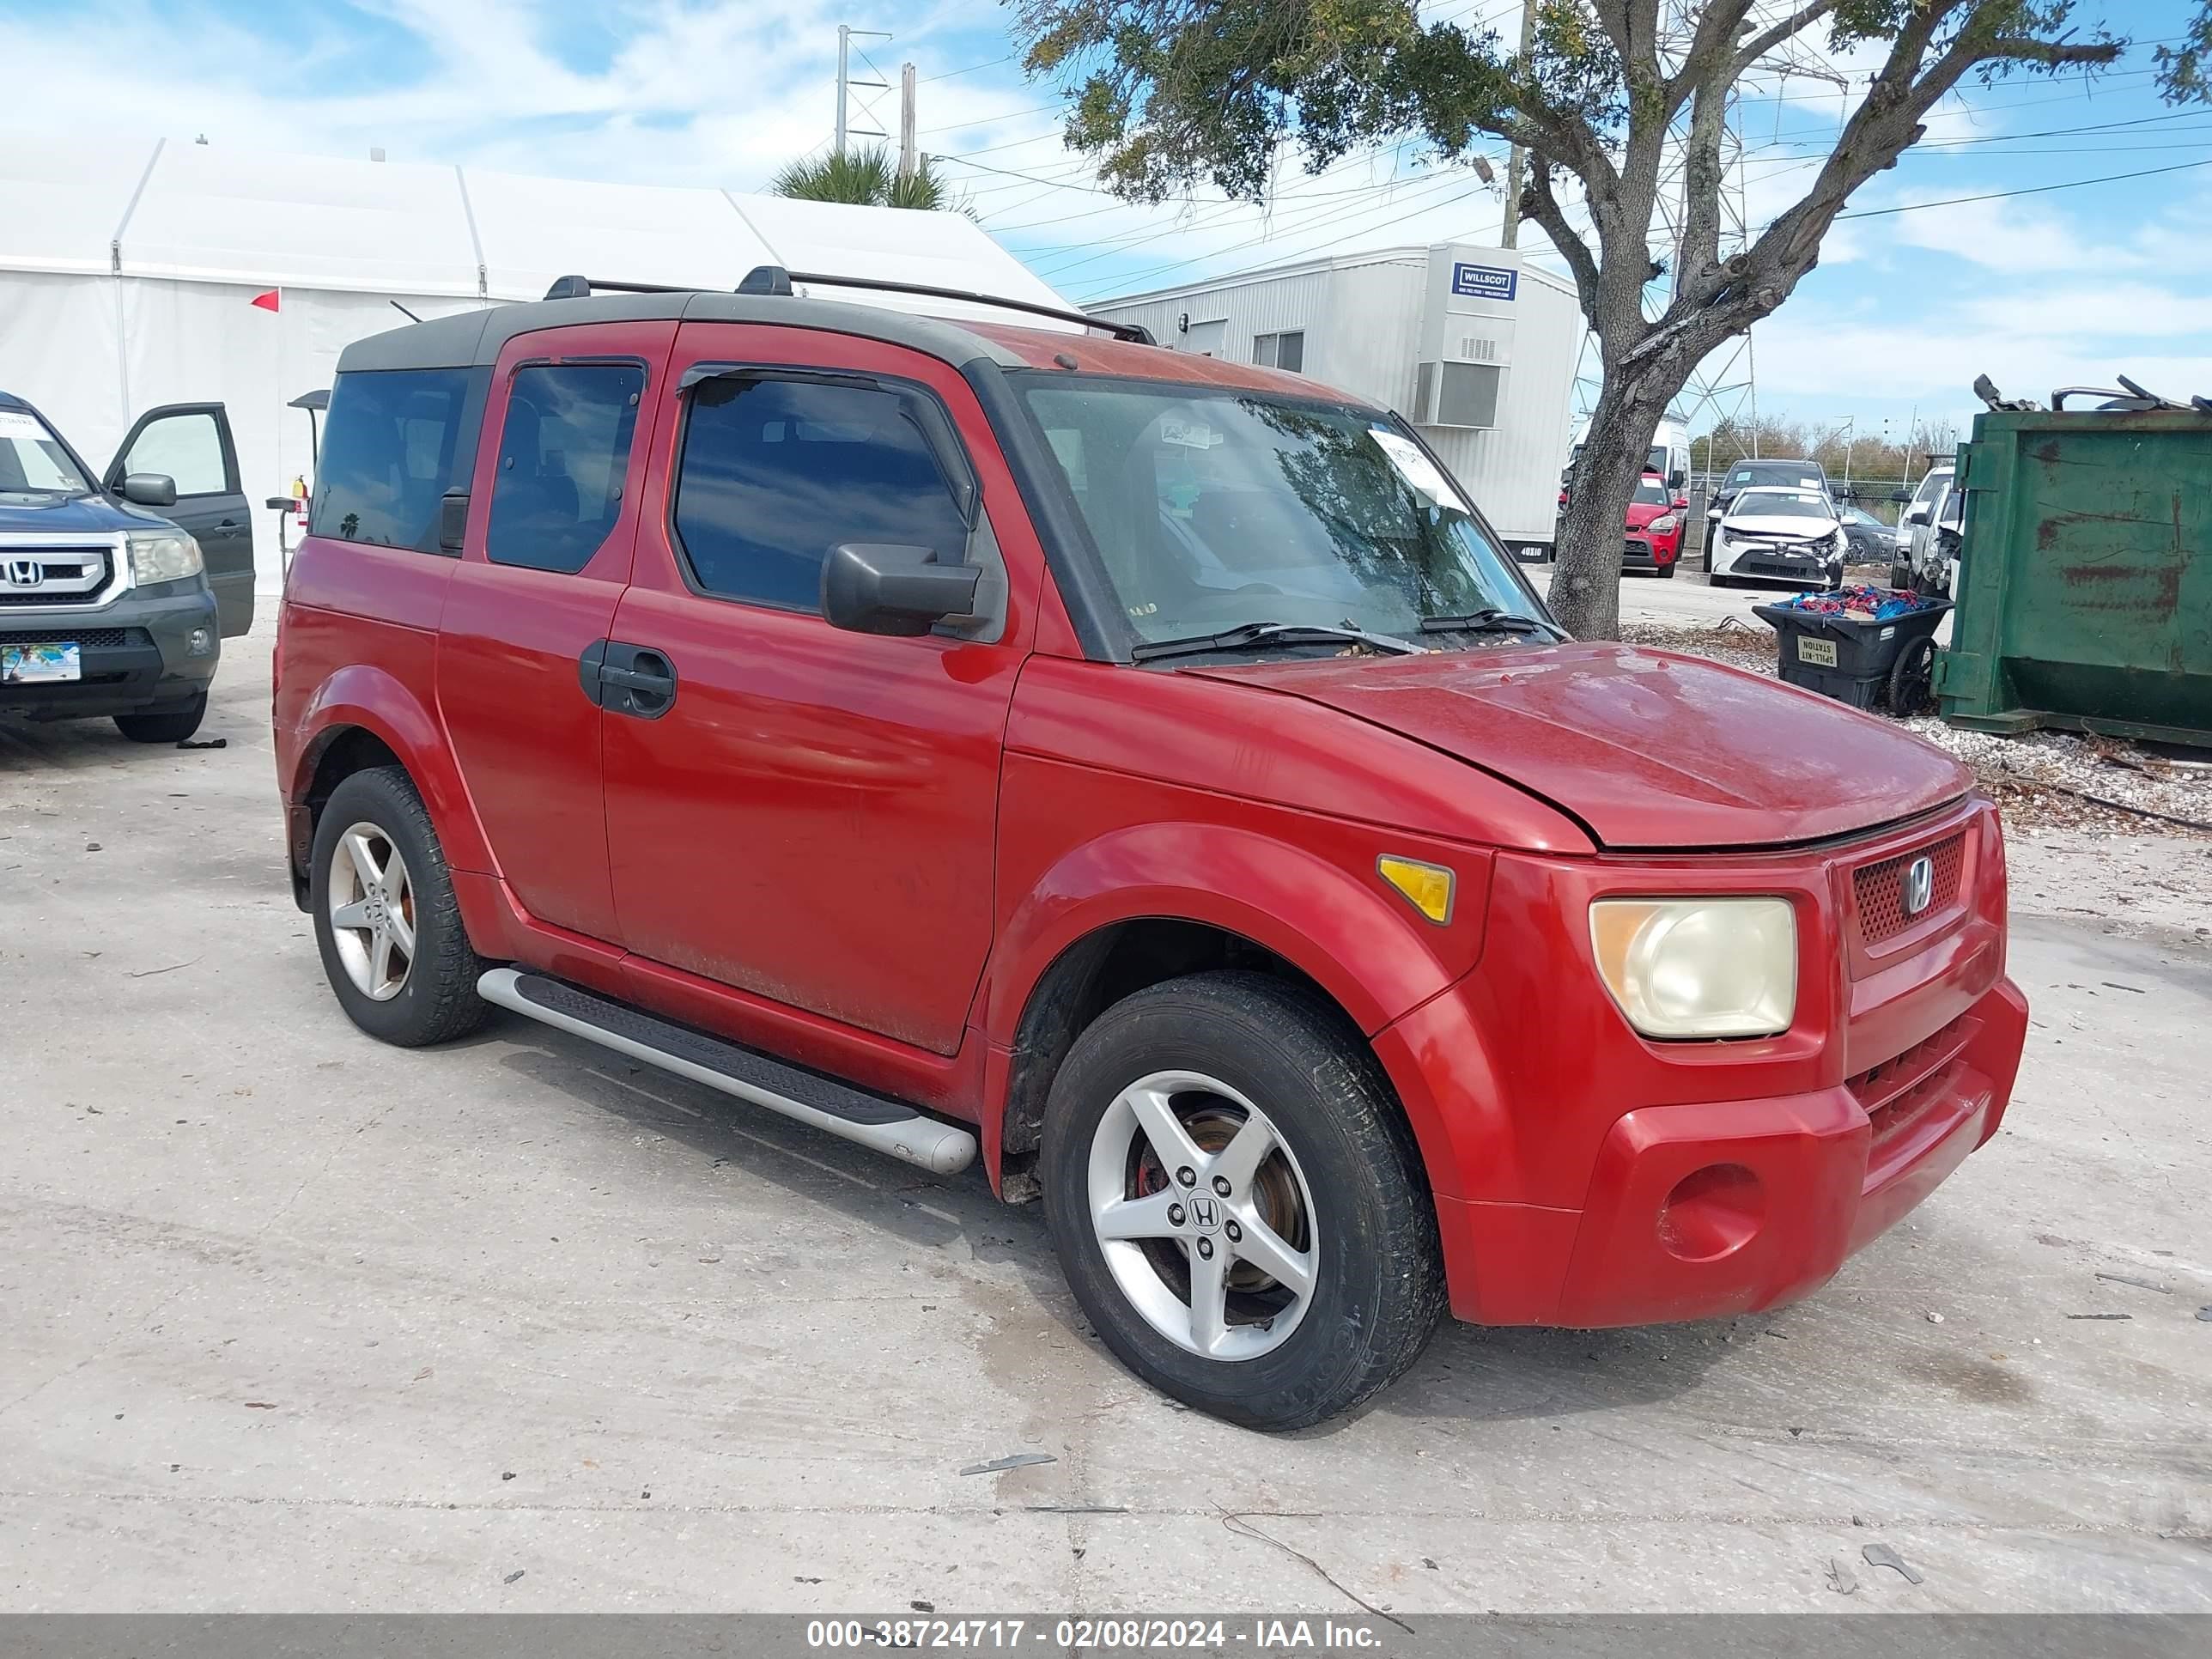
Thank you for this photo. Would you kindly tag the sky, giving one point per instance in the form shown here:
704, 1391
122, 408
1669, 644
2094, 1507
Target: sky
2058, 287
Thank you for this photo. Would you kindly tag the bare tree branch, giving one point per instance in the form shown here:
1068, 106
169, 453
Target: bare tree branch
1767, 39
1540, 204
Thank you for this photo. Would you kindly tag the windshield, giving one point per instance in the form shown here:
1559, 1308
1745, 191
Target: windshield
1652, 492
1788, 472
1782, 504
33, 461
1211, 507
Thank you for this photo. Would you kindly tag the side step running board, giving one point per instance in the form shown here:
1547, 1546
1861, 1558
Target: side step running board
876, 1121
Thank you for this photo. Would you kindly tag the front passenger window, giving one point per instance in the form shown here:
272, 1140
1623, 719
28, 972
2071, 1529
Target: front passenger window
563, 453
775, 473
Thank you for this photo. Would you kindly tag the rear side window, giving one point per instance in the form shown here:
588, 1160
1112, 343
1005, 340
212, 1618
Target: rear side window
775, 473
563, 453
389, 451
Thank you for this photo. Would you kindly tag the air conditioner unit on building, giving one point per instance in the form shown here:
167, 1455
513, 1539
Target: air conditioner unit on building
1450, 393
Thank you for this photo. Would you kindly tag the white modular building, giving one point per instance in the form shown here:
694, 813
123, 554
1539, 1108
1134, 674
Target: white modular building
1473, 345
134, 274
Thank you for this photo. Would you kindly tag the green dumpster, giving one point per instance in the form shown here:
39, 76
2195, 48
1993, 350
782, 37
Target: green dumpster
2084, 586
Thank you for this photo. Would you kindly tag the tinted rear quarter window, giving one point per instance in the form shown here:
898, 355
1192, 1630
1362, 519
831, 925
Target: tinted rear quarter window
563, 453
775, 473
396, 441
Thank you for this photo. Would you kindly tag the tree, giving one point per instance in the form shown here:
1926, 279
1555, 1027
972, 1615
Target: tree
868, 177
1168, 93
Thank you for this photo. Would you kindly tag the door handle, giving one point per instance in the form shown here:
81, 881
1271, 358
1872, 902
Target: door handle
226, 523
627, 679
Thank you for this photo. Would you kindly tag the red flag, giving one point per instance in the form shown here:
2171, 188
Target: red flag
267, 301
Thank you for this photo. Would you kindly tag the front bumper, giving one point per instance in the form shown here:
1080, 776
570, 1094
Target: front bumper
1641, 552
1584, 1176
1758, 561
137, 655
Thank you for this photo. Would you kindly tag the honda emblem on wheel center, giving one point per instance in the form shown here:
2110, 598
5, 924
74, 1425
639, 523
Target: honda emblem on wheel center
1919, 885
1204, 1213
25, 573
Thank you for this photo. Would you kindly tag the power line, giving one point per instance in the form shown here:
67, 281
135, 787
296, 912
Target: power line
946, 75
2031, 189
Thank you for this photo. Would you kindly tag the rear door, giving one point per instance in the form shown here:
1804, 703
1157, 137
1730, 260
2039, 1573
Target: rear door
553, 516
190, 443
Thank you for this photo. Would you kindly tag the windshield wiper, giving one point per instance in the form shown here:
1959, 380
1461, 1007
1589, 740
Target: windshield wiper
1270, 633
1489, 621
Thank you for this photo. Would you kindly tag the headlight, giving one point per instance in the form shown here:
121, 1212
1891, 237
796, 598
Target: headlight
1663, 524
163, 556
1698, 968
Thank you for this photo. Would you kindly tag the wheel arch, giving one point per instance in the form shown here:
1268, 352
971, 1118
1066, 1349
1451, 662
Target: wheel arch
1107, 921
364, 717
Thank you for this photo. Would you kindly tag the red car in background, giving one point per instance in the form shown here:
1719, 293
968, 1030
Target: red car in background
1656, 518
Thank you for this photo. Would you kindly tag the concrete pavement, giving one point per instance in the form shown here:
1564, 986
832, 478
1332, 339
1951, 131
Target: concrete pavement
298, 1321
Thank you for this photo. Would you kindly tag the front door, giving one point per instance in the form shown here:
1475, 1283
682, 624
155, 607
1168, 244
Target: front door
805, 813
191, 445
553, 517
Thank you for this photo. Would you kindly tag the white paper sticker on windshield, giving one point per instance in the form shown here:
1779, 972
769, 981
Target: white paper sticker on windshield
1191, 434
13, 423
1416, 469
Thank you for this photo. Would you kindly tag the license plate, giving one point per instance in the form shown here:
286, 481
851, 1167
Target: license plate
39, 665
1821, 654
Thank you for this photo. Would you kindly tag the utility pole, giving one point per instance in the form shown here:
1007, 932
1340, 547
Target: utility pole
1516, 164
846, 35
906, 123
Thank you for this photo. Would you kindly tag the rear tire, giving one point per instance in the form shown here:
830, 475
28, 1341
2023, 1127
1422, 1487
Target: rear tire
173, 728
1326, 1184
386, 921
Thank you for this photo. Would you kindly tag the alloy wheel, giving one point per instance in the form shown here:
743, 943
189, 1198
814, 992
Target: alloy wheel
371, 911
1205, 1221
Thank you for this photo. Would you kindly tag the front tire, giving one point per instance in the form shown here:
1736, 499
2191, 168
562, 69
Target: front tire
1238, 1202
172, 727
386, 921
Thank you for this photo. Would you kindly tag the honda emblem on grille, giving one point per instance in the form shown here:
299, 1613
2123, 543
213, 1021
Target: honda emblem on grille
1919, 885
25, 573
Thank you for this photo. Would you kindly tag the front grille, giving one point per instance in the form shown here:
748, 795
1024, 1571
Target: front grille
67, 575
64, 635
1880, 889
1901, 1092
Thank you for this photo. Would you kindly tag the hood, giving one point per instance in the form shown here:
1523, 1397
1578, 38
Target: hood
1647, 749
52, 515
1788, 528
1642, 512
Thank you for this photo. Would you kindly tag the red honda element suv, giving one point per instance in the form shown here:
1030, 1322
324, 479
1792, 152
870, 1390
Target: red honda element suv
1149, 770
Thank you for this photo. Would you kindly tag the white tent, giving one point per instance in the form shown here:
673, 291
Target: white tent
128, 273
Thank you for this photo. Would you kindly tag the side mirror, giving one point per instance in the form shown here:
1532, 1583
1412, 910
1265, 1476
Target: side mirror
149, 488
1917, 514
452, 521
1677, 479
1681, 503
884, 587
1901, 496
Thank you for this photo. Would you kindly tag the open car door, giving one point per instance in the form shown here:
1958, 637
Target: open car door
190, 443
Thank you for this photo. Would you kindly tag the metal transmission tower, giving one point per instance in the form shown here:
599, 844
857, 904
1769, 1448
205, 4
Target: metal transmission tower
846, 35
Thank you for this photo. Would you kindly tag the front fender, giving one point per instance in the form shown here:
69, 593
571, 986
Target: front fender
361, 695
1319, 905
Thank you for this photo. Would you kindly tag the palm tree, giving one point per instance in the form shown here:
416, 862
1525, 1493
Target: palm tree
869, 177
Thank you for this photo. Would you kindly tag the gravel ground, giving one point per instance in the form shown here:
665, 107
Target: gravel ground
2043, 779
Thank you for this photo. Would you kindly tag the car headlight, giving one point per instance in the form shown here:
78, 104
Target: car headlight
163, 556
1698, 968
1663, 524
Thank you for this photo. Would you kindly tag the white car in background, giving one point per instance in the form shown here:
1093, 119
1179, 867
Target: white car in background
1788, 538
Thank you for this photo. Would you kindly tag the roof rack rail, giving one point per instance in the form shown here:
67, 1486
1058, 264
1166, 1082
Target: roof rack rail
775, 279
582, 287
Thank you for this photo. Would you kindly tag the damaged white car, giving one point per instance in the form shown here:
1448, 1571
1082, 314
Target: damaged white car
1787, 537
